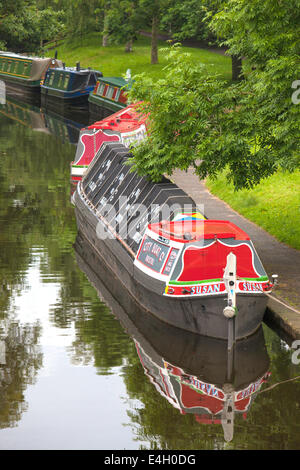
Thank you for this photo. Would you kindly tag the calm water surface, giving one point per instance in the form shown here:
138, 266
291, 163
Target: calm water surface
80, 371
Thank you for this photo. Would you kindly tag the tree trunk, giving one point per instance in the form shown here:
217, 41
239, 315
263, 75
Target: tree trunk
104, 39
154, 49
236, 67
128, 47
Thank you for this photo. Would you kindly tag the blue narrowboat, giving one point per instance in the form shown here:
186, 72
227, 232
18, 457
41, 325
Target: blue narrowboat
69, 86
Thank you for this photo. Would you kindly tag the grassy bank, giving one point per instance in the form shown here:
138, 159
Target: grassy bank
114, 61
273, 205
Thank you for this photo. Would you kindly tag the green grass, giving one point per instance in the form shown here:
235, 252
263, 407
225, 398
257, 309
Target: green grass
273, 205
114, 61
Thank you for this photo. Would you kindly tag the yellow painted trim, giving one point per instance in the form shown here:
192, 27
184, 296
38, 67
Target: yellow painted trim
14, 118
15, 74
15, 58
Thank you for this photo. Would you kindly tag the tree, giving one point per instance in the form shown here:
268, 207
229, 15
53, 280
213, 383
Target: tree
184, 19
249, 127
153, 10
80, 17
23, 27
267, 34
122, 22
193, 116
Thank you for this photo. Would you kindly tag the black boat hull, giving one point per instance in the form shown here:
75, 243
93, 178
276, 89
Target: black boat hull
59, 102
201, 315
97, 113
196, 355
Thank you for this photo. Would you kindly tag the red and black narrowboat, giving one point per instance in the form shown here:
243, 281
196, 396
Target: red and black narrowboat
200, 275
196, 374
127, 126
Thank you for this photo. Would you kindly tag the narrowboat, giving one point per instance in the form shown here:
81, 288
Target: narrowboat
109, 96
127, 126
68, 86
24, 73
195, 374
200, 275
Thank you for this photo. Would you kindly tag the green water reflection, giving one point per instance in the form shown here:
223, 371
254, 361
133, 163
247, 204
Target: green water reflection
74, 375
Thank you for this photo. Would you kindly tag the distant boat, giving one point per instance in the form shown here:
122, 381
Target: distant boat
109, 95
200, 275
24, 73
127, 126
68, 86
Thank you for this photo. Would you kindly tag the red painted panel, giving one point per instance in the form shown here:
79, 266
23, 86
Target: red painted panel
92, 143
190, 398
209, 263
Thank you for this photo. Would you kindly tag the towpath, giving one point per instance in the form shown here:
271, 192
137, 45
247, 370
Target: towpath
284, 303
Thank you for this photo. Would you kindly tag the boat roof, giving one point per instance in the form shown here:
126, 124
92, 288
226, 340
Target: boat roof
73, 70
192, 230
125, 120
115, 81
21, 56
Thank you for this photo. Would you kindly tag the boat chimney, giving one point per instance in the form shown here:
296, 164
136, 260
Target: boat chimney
55, 55
78, 66
64, 65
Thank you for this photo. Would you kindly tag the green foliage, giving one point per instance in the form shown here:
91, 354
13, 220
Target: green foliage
23, 27
251, 127
194, 121
122, 21
80, 17
184, 19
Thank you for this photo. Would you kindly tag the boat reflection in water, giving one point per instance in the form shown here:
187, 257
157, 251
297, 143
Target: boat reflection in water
196, 374
65, 126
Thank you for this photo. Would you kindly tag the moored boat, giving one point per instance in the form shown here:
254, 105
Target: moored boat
127, 126
200, 275
196, 374
24, 73
68, 86
109, 96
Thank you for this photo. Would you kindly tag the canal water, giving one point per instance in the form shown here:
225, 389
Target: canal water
82, 370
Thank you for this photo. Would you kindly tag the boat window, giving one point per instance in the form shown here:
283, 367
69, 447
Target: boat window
101, 89
109, 92
51, 78
118, 94
60, 81
13, 66
66, 81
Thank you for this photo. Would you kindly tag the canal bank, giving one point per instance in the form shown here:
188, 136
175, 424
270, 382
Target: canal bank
283, 311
